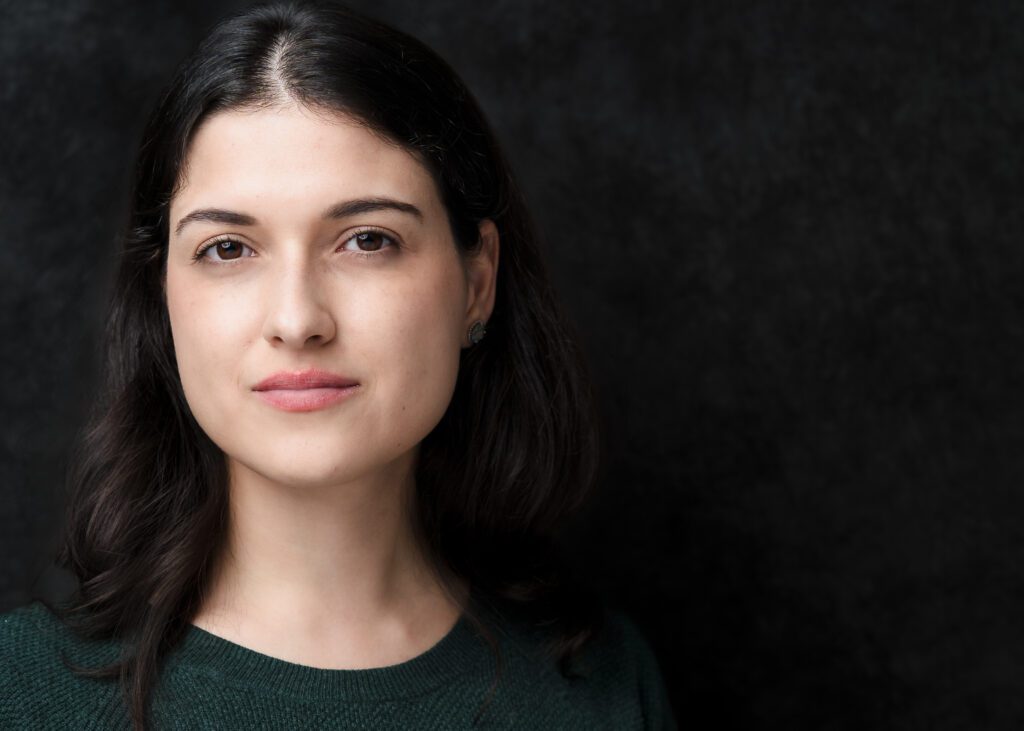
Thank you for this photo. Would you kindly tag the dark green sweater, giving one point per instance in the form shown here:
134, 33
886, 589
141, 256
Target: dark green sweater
211, 683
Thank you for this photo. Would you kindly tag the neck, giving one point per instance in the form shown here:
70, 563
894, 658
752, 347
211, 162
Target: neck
314, 559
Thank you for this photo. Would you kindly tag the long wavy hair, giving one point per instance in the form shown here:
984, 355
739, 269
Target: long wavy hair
514, 454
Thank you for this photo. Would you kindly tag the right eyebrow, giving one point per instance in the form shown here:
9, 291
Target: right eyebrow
215, 215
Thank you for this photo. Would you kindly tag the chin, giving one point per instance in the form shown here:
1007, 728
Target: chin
317, 467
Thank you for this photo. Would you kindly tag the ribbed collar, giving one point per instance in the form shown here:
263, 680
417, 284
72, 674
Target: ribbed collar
460, 651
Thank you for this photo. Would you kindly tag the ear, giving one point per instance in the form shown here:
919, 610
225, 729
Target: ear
482, 277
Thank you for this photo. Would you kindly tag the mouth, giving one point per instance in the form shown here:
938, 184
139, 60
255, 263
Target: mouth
309, 378
306, 399
307, 390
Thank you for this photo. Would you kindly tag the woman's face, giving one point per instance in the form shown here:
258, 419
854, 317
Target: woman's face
331, 251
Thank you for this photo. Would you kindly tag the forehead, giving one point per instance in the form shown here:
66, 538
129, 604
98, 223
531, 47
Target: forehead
298, 158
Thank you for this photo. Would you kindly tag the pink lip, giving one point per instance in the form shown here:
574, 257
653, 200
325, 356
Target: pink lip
307, 390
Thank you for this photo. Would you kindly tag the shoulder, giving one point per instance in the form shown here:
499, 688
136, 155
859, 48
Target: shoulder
27, 635
31, 621
25, 638
626, 663
616, 681
33, 636
34, 645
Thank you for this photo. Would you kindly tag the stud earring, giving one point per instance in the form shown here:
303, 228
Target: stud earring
477, 332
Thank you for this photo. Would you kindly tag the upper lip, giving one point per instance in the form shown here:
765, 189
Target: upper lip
298, 380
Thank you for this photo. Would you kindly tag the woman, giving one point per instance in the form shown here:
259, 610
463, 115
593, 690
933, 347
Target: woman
342, 417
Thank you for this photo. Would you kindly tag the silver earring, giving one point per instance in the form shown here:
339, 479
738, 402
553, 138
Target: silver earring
477, 332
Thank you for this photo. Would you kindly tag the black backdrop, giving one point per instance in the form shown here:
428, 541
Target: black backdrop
789, 234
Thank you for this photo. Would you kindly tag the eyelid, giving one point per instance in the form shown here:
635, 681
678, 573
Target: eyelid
222, 238
396, 241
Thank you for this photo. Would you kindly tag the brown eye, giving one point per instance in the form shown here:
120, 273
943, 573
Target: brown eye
368, 241
227, 250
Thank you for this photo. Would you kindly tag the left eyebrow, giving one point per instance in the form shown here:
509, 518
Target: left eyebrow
368, 205
338, 210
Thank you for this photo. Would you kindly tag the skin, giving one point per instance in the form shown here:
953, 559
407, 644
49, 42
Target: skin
320, 566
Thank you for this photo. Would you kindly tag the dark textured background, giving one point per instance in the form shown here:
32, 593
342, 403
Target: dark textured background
789, 233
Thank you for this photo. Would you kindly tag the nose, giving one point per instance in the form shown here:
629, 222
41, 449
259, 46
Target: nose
297, 312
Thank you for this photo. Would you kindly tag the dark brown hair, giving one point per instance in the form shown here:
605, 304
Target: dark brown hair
515, 452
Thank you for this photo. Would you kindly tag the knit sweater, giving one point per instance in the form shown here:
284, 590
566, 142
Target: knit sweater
208, 682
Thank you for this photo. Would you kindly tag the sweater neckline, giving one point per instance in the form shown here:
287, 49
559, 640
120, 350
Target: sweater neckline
201, 652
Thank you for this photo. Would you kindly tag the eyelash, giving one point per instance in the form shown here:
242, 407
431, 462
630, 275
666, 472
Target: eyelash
200, 256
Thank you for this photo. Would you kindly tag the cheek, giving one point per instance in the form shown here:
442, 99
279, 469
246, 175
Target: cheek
205, 329
415, 339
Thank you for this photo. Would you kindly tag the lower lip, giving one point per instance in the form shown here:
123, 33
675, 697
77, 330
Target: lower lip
306, 399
